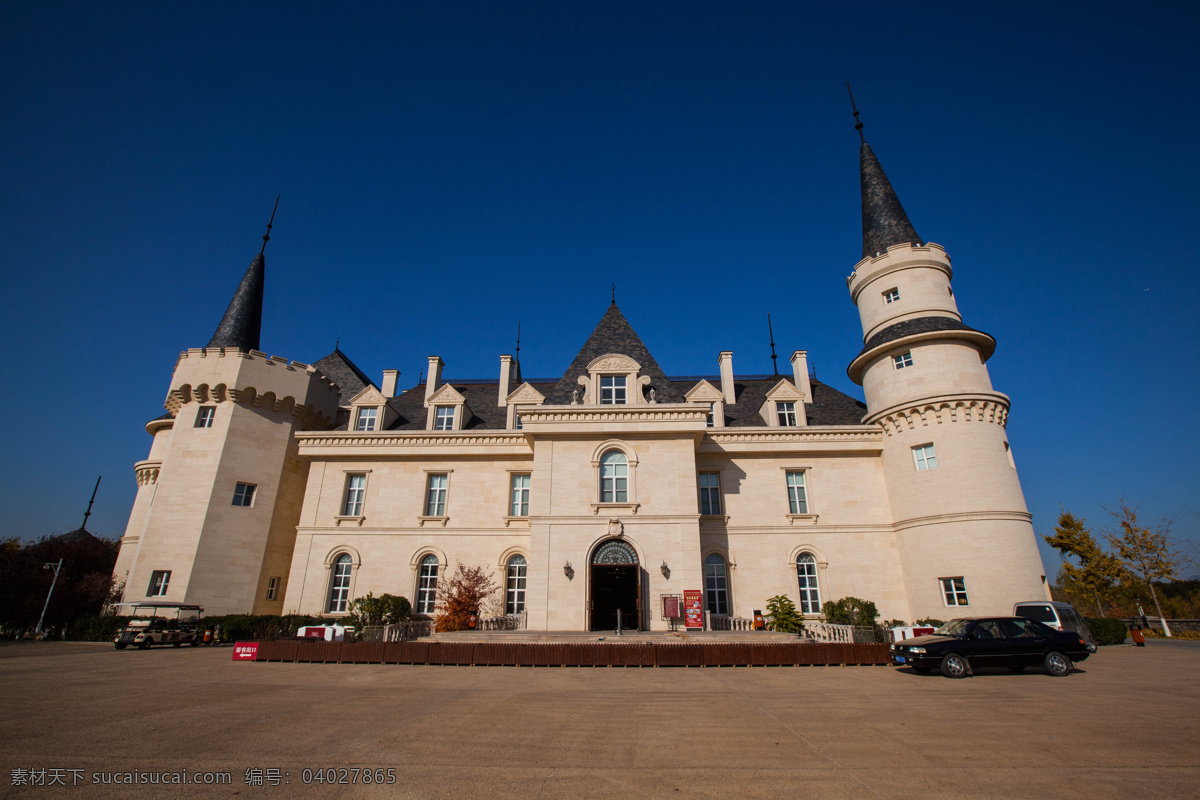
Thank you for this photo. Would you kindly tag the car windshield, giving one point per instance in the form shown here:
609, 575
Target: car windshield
955, 627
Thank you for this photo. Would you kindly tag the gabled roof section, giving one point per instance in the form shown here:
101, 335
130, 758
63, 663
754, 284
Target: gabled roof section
447, 395
350, 380
883, 219
703, 392
370, 396
525, 394
241, 326
784, 390
613, 334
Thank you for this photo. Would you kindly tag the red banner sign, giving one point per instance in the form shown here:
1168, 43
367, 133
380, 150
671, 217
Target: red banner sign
245, 651
693, 611
671, 608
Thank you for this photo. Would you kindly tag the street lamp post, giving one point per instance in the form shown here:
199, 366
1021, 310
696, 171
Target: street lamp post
56, 568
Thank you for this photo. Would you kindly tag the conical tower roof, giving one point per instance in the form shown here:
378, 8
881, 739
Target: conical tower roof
883, 219
241, 326
613, 334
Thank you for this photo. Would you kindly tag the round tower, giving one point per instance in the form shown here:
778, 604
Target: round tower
964, 535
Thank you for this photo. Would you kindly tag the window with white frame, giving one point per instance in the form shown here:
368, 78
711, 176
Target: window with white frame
272, 588
891, 295
903, 360
514, 585
806, 574
954, 591
716, 585
797, 494
614, 477
924, 458
520, 496
427, 584
366, 419
205, 416
356, 489
710, 493
711, 421
243, 495
339, 585
444, 418
612, 390
435, 502
159, 579
787, 414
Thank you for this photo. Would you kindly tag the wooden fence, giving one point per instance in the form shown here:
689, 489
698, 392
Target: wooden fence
590, 654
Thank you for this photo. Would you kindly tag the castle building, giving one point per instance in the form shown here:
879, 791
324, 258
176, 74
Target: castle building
275, 486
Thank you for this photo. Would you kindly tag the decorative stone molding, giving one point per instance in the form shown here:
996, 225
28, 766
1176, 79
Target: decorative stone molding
146, 472
357, 520
308, 415
431, 520
675, 412
632, 508
408, 439
616, 528
614, 362
865, 433
810, 518
942, 412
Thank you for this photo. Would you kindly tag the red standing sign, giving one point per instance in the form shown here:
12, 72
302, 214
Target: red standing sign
245, 651
693, 612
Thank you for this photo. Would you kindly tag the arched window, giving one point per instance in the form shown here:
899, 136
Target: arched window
716, 585
614, 477
339, 588
427, 584
514, 589
810, 595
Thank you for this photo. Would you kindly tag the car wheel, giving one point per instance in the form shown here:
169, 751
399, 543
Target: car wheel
120, 645
954, 666
144, 644
1056, 664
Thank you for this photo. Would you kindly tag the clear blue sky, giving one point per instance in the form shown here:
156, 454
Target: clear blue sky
448, 169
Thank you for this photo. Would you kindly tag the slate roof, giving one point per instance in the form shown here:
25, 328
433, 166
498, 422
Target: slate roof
828, 406
241, 326
613, 334
481, 398
350, 380
919, 325
884, 222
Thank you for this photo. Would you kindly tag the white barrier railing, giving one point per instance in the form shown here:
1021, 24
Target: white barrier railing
826, 632
725, 622
508, 622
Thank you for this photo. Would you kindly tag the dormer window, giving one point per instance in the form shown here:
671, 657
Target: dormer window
613, 390
444, 420
787, 414
367, 417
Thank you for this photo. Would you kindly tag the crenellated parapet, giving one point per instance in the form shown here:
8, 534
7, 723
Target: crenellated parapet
944, 412
219, 375
147, 472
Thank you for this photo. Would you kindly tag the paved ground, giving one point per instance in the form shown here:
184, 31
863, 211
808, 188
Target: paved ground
1126, 725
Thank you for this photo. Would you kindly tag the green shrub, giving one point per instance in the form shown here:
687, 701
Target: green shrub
96, 628
784, 616
929, 622
387, 609
851, 611
1107, 631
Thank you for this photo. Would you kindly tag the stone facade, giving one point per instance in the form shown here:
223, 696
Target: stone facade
742, 487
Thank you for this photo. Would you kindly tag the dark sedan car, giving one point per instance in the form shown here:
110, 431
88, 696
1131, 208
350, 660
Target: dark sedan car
961, 645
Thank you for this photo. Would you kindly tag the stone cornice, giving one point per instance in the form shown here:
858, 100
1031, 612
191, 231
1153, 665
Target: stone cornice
983, 407
938, 519
397, 440
640, 418
815, 433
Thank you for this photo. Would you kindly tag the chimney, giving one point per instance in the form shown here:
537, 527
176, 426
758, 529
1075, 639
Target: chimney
390, 378
726, 362
800, 374
505, 378
434, 377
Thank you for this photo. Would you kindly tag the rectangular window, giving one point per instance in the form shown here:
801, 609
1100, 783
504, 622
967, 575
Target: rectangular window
954, 590
444, 420
797, 499
205, 416
158, 583
272, 588
517, 420
520, 496
924, 458
891, 295
711, 421
427, 585
435, 505
356, 488
366, 419
243, 495
710, 493
903, 360
787, 414
612, 390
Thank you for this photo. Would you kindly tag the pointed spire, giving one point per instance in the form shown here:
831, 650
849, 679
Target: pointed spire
241, 326
884, 222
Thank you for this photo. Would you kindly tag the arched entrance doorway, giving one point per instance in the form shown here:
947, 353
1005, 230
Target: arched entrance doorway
616, 583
